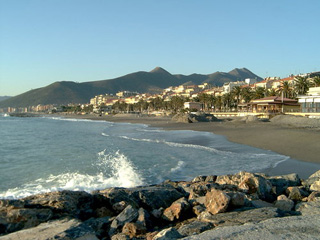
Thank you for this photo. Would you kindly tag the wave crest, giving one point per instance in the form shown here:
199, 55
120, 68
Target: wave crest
114, 170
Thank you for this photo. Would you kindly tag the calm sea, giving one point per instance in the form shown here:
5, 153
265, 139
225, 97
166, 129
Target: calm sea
48, 154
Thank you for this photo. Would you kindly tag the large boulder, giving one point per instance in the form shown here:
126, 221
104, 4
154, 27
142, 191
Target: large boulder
239, 217
133, 229
217, 201
281, 183
192, 118
309, 208
284, 203
167, 234
316, 174
14, 216
293, 228
296, 121
296, 193
195, 227
249, 183
148, 197
178, 210
129, 214
76, 203
313, 181
66, 229
315, 186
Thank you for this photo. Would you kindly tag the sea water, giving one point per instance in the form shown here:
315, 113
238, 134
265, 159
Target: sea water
45, 154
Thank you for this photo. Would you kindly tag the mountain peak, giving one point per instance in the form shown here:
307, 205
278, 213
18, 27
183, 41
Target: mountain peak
159, 70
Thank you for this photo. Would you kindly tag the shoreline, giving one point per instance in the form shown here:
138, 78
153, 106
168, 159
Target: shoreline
301, 145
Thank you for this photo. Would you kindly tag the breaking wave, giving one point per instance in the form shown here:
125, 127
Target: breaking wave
114, 170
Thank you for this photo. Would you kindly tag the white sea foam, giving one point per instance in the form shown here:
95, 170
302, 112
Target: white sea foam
123, 172
114, 170
73, 119
223, 153
179, 167
181, 145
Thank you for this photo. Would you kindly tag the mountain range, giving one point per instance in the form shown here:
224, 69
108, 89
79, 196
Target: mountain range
143, 82
2, 98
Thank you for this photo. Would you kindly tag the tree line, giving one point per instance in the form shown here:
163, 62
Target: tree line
226, 102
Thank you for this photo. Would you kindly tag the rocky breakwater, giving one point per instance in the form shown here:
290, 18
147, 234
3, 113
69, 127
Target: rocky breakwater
170, 210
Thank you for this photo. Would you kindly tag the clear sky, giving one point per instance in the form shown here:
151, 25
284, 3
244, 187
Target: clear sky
43, 41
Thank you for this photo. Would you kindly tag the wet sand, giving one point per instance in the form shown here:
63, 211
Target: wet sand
301, 145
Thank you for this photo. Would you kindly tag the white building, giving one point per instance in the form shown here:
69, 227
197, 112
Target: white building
193, 105
311, 101
227, 87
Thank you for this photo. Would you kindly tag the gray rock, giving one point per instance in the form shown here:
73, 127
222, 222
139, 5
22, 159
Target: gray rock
261, 204
148, 197
237, 199
296, 193
66, 229
99, 225
308, 208
199, 179
290, 228
308, 182
144, 218
194, 227
76, 203
239, 218
198, 209
316, 174
314, 196
119, 198
155, 197
211, 178
13, 219
283, 182
284, 203
129, 214
315, 186
167, 234
120, 236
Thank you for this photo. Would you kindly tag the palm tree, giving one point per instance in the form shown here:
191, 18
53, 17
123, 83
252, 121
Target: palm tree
259, 93
301, 85
236, 92
246, 94
176, 103
204, 99
218, 103
316, 81
272, 92
285, 89
211, 101
227, 100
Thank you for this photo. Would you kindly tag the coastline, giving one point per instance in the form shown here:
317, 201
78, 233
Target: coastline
301, 145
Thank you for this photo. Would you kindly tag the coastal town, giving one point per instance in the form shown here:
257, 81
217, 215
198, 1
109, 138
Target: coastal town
296, 94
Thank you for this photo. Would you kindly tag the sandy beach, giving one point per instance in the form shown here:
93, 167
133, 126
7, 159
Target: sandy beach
301, 145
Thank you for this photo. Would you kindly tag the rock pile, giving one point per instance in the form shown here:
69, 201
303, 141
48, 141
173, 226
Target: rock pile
296, 121
170, 210
192, 118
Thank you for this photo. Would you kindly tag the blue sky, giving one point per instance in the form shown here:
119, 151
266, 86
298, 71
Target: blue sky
43, 41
